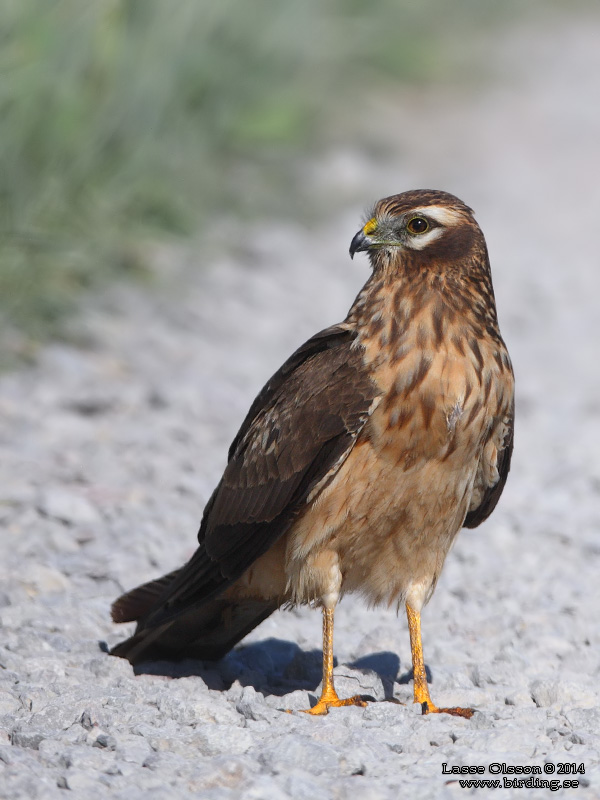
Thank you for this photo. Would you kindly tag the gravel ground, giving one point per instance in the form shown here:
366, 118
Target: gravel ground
108, 454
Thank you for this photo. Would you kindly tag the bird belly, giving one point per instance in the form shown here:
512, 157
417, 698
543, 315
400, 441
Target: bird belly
392, 511
389, 528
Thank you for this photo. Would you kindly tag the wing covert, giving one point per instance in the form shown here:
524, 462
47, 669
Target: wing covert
298, 432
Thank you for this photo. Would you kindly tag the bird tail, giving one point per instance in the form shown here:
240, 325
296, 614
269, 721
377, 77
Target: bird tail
207, 631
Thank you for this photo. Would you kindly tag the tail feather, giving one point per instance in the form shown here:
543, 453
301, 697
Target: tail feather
134, 605
205, 632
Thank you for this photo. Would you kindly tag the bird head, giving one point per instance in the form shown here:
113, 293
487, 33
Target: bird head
432, 226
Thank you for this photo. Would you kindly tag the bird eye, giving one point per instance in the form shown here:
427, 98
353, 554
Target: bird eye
418, 225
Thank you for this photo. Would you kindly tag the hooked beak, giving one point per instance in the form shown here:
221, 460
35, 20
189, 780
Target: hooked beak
360, 242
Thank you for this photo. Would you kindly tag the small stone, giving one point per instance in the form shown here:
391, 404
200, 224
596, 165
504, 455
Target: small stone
584, 719
518, 698
5, 753
27, 739
52, 751
108, 667
8, 703
299, 751
495, 673
251, 705
68, 507
350, 681
133, 749
264, 787
302, 786
548, 693
480, 721
63, 539
213, 740
385, 713
54, 718
90, 405
213, 708
106, 741
86, 720
82, 781
294, 701
235, 691
359, 758
46, 580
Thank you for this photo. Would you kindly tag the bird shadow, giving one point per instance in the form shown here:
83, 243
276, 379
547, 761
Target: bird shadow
272, 667
407, 677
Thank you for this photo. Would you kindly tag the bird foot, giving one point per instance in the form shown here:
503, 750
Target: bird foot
333, 701
456, 711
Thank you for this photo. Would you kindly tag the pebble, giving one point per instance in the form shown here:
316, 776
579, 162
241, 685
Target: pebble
300, 751
212, 740
67, 506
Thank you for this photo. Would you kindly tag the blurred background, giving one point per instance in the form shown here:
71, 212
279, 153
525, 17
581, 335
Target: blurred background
127, 123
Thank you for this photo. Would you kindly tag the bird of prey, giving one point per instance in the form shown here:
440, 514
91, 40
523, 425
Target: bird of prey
360, 459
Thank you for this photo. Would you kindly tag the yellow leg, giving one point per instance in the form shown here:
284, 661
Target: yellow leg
419, 675
329, 698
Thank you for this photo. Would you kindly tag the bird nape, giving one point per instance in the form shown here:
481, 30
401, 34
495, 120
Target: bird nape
360, 459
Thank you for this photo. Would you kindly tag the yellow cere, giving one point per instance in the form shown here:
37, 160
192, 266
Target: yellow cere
370, 227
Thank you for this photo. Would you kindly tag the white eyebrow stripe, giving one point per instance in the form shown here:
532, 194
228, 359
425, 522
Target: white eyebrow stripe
441, 214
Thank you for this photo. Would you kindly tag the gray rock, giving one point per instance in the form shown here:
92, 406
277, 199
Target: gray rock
303, 786
47, 580
67, 506
235, 691
584, 719
211, 740
78, 780
498, 673
296, 751
264, 787
133, 749
385, 713
294, 701
29, 739
545, 693
364, 787
8, 703
106, 741
14, 755
561, 693
360, 758
53, 719
351, 681
521, 697
252, 706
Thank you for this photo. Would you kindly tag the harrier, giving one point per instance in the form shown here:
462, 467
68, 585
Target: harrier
361, 458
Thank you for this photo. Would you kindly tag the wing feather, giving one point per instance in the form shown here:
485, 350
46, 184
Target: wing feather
492, 491
299, 429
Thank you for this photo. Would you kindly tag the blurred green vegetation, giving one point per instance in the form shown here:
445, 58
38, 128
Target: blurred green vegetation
125, 119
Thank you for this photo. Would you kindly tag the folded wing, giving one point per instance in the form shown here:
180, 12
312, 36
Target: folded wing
298, 432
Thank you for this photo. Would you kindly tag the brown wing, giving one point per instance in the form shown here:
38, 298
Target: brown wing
298, 431
492, 493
